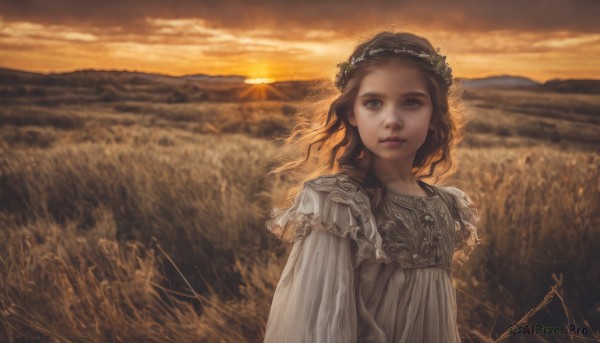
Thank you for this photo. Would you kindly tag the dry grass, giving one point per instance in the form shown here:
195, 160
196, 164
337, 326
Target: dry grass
540, 217
81, 225
61, 284
26, 126
519, 118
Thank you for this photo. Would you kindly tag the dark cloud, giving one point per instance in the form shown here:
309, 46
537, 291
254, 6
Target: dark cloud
466, 15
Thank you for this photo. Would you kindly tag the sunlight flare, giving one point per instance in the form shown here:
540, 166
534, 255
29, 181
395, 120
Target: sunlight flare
259, 81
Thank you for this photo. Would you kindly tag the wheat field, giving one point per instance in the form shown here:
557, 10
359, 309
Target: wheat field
139, 221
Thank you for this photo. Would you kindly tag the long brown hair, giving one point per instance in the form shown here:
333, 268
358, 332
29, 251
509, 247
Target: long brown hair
323, 124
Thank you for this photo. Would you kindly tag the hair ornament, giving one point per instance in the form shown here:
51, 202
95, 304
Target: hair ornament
437, 61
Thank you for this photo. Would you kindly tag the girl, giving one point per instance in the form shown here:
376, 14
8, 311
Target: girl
375, 245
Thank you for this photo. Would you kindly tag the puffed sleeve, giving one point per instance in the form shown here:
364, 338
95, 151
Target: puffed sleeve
466, 239
334, 204
314, 300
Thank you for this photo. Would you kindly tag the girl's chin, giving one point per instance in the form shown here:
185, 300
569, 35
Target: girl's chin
395, 157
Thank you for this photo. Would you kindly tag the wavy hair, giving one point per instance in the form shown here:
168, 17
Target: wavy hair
323, 124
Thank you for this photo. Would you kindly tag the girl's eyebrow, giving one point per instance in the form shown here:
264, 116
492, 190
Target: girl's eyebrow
379, 95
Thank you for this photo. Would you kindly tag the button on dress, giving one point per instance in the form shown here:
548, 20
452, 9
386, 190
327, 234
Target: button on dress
358, 276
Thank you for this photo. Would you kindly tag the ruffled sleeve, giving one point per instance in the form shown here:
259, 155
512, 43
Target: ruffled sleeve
312, 210
336, 205
466, 239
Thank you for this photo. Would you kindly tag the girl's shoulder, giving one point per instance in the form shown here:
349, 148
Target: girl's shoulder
459, 198
464, 208
342, 189
334, 182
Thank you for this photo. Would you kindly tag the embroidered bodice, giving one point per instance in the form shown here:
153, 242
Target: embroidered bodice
417, 231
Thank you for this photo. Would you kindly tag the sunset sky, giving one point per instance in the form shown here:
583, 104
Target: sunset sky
296, 40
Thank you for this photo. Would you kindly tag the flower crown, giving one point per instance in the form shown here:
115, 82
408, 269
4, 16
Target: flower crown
437, 61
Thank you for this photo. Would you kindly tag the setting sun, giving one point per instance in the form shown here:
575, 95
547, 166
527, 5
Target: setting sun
258, 81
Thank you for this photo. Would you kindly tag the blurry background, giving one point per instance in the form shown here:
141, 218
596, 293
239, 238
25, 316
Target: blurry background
135, 137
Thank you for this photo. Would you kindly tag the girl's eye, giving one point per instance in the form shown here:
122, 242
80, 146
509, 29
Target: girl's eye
413, 103
371, 101
374, 103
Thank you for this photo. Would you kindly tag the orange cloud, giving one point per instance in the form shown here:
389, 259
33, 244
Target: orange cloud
190, 46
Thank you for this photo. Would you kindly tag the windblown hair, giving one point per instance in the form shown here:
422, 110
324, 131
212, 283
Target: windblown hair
323, 123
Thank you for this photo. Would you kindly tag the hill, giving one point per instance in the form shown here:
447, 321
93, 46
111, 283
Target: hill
504, 81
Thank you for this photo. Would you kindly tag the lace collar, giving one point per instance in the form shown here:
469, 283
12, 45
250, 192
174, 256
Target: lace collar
431, 194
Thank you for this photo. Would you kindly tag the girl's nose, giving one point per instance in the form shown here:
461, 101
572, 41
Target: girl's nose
393, 119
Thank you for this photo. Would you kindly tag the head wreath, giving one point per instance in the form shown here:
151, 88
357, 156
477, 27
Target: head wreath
437, 61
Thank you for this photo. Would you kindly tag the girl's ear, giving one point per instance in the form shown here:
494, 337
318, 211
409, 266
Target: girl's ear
352, 119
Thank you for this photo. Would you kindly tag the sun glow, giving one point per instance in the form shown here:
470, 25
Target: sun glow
261, 91
259, 81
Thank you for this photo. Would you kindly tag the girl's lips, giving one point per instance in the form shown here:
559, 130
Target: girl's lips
393, 143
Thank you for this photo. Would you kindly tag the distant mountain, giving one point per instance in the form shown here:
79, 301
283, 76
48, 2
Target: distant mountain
18, 75
503, 81
216, 78
584, 86
581, 86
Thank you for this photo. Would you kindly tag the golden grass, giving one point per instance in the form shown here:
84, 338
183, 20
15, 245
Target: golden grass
540, 217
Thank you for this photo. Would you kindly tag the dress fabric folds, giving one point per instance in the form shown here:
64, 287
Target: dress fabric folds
352, 276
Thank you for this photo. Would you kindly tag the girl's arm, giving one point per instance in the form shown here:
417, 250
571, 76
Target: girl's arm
314, 300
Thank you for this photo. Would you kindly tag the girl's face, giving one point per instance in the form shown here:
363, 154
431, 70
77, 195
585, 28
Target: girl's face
393, 100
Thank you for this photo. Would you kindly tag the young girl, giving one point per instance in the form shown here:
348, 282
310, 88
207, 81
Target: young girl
374, 245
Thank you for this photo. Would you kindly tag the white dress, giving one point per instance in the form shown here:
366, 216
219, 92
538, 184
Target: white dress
355, 277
